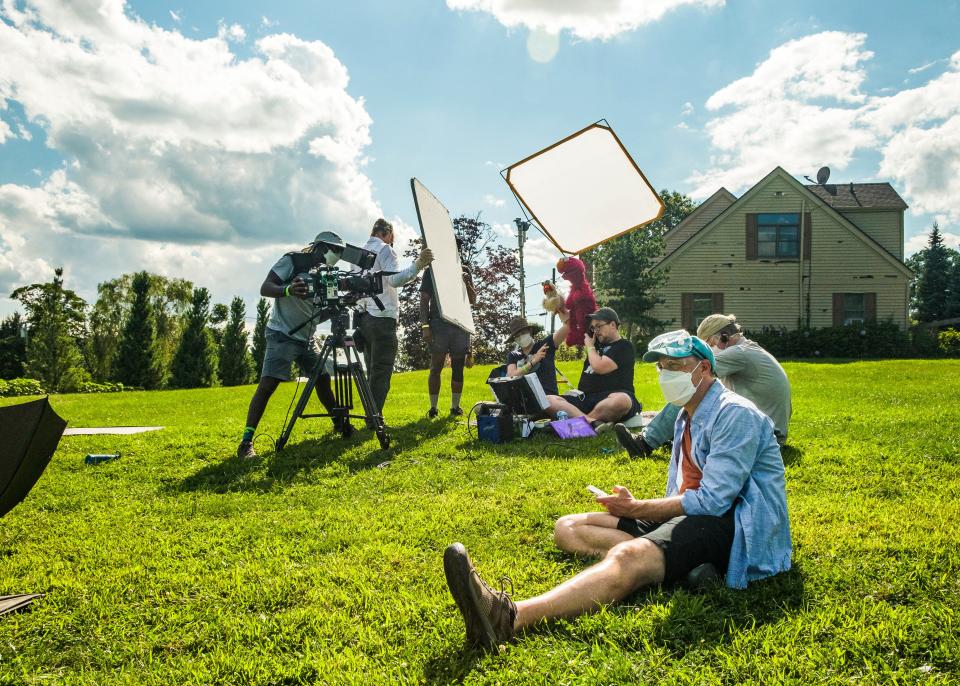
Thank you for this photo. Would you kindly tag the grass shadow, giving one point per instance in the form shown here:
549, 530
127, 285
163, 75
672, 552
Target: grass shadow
791, 454
282, 468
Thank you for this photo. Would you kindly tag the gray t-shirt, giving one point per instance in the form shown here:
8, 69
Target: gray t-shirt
750, 371
290, 312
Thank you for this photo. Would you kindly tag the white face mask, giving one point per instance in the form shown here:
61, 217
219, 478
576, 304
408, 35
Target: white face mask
524, 340
331, 258
677, 387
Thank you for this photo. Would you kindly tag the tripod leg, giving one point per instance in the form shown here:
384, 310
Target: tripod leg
304, 397
370, 409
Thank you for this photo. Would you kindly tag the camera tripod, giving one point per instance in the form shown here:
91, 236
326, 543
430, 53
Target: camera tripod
342, 379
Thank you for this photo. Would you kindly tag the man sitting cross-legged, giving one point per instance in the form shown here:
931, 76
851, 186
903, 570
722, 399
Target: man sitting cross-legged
725, 506
606, 392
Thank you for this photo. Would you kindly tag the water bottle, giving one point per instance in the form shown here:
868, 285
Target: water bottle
97, 459
561, 415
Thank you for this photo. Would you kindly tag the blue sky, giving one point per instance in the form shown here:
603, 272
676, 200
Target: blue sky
202, 140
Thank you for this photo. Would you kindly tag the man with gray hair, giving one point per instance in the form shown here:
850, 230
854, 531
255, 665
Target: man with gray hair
742, 366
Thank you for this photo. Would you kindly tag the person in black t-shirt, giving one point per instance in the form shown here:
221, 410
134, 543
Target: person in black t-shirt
607, 379
535, 356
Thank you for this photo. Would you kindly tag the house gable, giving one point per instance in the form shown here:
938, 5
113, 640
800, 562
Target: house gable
702, 215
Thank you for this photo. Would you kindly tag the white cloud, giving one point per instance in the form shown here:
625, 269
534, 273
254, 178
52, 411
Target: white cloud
602, 19
494, 201
923, 67
175, 16
687, 109
539, 252
804, 107
234, 33
174, 147
919, 242
268, 23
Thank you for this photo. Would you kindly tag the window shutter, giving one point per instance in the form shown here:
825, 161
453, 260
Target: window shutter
718, 302
807, 229
838, 309
870, 306
751, 236
686, 311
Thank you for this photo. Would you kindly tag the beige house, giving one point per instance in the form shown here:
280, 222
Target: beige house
753, 256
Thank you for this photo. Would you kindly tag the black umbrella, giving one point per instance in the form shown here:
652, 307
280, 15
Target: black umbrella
29, 433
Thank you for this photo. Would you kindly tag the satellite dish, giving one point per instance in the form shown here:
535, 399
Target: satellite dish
823, 175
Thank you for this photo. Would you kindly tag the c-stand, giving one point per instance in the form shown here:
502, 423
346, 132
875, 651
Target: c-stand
343, 380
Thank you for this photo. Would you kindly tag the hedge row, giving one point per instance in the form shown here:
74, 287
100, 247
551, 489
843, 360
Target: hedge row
17, 387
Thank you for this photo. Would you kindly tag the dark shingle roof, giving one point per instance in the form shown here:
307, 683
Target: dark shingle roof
853, 196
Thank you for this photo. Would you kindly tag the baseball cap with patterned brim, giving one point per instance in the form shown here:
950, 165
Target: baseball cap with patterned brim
678, 343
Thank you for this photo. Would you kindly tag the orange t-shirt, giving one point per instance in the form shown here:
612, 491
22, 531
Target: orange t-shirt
690, 472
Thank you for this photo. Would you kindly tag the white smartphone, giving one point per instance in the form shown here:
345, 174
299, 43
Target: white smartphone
597, 492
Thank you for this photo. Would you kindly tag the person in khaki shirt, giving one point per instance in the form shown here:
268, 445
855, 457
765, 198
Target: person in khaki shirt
744, 367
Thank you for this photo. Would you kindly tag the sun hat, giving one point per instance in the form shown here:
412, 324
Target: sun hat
678, 343
517, 326
713, 324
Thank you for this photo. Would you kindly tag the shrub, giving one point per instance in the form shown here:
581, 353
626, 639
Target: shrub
877, 339
17, 387
93, 387
948, 343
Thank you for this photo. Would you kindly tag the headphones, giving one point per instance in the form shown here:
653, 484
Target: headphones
724, 337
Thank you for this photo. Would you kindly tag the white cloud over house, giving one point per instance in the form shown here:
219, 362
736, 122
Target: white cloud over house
601, 19
176, 150
805, 106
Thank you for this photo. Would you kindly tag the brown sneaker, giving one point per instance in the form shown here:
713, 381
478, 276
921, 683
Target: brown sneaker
635, 446
489, 615
245, 450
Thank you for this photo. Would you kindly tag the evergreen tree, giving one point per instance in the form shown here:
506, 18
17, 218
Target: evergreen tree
13, 347
138, 361
218, 320
195, 362
235, 361
622, 275
953, 301
934, 281
57, 322
260, 334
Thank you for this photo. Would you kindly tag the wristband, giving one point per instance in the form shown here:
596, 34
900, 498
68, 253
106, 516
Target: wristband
286, 291
425, 326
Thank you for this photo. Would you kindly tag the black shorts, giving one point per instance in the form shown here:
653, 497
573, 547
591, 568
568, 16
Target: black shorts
590, 401
687, 541
448, 338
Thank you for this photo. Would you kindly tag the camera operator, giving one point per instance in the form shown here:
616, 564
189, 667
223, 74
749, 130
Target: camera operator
378, 327
290, 310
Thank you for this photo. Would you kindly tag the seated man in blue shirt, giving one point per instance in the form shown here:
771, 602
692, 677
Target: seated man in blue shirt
725, 506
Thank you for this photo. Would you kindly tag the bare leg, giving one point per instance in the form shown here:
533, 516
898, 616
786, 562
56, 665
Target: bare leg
626, 567
436, 366
557, 403
261, 396
611, 409
588, 534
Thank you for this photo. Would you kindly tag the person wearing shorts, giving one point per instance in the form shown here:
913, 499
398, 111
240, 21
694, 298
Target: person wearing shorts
725, 487
605, 392
444, 339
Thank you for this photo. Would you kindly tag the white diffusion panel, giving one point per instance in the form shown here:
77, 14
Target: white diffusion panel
585, 190
437, 230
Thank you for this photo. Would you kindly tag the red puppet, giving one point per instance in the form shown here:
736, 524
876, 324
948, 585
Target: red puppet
580, 301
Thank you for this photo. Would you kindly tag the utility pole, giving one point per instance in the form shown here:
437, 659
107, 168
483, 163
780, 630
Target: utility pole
522, 227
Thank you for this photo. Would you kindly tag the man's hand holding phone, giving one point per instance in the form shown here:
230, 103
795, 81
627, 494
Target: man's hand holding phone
620, 504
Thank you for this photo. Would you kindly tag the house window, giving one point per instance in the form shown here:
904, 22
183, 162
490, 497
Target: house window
777, 236
854, 308
702, 307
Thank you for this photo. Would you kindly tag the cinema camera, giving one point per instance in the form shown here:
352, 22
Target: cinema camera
332, 292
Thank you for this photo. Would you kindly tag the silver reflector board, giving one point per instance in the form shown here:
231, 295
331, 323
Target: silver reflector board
437, 230
584, 190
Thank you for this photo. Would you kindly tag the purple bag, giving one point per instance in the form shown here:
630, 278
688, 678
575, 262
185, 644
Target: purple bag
577, 427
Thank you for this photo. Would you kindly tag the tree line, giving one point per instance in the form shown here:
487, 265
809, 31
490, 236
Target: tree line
144, 331
935, 288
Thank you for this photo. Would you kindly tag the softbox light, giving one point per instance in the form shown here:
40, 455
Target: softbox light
584, 190
437, 231
31, 432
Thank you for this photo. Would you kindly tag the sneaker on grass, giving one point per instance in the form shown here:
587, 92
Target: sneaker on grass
488, 615
634, 445
245, 450
456, 411
432, 413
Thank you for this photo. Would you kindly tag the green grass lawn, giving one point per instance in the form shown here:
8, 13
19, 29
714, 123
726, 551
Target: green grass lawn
180, 564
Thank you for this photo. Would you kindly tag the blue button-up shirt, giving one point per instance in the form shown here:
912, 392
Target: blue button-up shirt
734, 446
